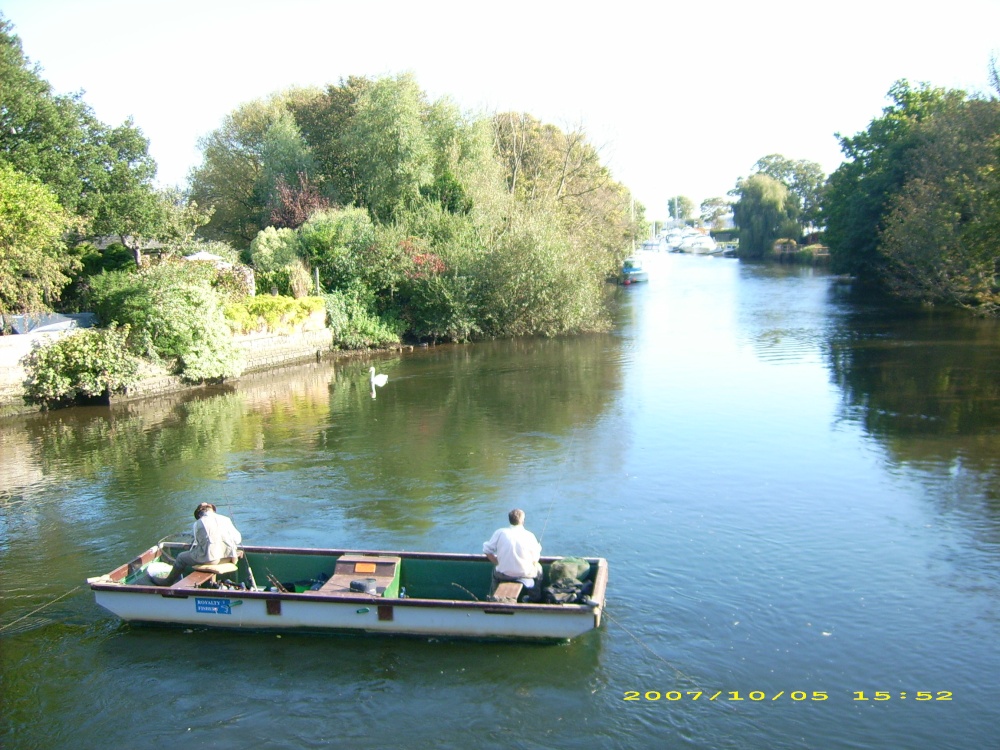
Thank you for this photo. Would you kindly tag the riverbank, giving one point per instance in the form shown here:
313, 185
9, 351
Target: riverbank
262, 351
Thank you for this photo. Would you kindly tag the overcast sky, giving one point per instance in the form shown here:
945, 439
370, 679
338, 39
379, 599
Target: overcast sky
680, 98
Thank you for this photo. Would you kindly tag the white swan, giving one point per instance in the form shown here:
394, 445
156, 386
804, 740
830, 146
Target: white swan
377, 380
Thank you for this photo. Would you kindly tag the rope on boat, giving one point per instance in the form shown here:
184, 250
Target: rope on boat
678, 672
552, 499
36, 611
476, 598
638, 640
545, 525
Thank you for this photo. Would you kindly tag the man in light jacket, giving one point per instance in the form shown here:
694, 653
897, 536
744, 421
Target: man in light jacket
515, 551
216, 540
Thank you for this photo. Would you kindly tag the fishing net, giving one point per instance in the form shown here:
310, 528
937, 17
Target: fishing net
568, 584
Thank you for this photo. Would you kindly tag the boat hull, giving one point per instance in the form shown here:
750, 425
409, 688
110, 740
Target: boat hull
359, 613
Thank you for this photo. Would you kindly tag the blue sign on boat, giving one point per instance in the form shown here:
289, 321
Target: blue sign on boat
213, 606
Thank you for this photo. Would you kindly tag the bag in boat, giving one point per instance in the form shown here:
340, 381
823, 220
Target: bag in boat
575, 568
568, 581
159, 572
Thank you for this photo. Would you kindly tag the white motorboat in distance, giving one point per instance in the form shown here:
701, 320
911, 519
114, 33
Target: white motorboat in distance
699, 244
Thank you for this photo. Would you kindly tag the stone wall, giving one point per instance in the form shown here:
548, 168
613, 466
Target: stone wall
12, 350
262, 351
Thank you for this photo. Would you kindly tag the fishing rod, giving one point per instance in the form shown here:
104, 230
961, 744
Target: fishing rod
552, 499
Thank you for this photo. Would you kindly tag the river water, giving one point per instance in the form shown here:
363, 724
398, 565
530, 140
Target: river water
797, 492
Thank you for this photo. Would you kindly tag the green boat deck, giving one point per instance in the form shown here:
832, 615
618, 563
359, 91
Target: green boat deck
453, 577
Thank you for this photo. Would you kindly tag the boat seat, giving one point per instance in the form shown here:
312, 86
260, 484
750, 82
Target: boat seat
507, 591
383, 570
203, 574
193, 580
219, 569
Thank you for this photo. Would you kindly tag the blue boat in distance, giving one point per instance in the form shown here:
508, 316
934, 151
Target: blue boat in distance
632, 272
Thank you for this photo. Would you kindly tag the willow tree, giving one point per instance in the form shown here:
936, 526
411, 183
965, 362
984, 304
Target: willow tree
764, 211
804, 180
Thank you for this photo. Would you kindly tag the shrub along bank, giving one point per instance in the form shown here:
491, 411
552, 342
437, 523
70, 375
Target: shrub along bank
176, 317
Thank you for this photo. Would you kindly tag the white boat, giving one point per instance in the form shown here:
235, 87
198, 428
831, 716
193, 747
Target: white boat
699, 244
673, 240
375, 592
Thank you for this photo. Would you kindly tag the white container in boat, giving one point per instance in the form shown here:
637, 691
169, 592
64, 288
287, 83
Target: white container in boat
159, 572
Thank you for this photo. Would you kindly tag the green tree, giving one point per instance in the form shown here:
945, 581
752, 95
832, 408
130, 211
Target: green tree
804, 180
462, 147
681, 208
126, 204
242, 163
323, 118
879, 159
544, 164
939, 234
764, 212
714, 210
40, 133
561, 173
389, 145
34, 264
103, 175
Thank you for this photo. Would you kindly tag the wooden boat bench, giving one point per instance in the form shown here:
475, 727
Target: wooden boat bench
383, 569
202, 574
507, 591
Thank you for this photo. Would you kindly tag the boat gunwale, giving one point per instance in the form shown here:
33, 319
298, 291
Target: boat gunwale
112, 583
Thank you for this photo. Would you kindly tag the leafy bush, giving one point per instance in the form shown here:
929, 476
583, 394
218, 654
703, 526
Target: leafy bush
94, 362
271, 313
174, 314
273, 249
353, 324
442, 307
291, 281
114, 257
335, 241
275, 255
533, 280
235, 282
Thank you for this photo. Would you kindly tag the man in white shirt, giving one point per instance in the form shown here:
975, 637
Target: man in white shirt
515, 552
216, 540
